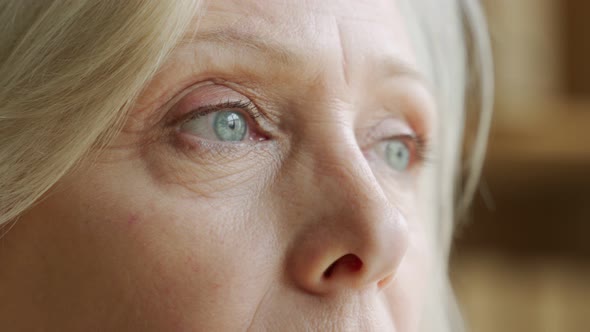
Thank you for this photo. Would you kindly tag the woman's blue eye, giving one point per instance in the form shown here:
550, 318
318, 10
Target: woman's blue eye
230, 126
397, 155
226, 125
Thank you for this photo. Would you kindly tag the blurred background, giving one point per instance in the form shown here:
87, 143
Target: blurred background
522, 260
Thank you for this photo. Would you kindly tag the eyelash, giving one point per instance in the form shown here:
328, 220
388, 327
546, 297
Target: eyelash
421, 147
246, 106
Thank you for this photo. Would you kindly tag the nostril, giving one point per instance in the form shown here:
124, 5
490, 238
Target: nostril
347, 264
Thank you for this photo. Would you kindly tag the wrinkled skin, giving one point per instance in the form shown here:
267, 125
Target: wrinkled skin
301, 227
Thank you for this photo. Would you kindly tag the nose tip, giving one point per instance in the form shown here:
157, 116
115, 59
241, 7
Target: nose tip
353, 259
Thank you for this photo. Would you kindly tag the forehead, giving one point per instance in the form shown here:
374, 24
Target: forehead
351, 28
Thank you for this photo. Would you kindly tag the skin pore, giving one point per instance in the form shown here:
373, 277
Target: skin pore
309, 223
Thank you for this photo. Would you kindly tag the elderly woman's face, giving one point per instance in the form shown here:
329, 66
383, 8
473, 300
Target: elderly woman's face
267, 179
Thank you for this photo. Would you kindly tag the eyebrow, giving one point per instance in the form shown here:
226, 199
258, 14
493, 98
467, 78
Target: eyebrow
388, 66
231, 36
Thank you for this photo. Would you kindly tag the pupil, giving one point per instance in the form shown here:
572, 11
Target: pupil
232, 124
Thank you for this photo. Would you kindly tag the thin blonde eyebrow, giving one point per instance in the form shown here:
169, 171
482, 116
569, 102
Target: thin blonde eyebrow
388, 66
234, 37
394, 67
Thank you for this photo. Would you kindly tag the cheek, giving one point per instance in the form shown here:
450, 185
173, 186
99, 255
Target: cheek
408, 295
206, 266
208, 168
184, 259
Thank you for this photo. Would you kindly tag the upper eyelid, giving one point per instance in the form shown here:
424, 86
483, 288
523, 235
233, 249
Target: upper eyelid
180, 109
385, 129
415, 140
238, 105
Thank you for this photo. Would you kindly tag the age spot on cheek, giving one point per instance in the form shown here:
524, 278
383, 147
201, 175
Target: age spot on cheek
132, 220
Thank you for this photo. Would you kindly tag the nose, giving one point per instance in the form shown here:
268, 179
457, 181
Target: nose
350, 236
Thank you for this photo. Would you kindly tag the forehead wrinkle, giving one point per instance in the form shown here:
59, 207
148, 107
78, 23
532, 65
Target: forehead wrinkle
344, 56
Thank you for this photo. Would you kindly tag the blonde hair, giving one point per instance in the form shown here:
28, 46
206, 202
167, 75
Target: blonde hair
452, 44
71, 70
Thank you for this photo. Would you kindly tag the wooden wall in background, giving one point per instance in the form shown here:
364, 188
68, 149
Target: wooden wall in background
576, 37
538, 164
522, 263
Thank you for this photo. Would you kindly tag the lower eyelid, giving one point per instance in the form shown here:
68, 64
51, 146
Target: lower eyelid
195, 141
